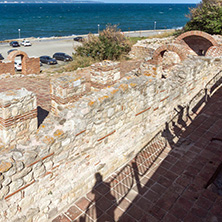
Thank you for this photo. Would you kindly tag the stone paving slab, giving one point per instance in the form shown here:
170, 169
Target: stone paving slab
166, 181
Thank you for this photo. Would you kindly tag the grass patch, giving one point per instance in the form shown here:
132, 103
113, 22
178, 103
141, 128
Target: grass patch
163, 35
78, 62
134, 40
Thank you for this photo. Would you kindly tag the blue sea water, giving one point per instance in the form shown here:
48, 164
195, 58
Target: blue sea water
46, 20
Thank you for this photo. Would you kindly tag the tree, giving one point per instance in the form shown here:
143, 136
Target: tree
206, 17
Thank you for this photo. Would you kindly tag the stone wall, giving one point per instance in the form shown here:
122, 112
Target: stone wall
31, 66
69, 88
98, 133
18, 115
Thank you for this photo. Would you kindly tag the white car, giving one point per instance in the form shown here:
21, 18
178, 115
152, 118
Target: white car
18, 65
26, 43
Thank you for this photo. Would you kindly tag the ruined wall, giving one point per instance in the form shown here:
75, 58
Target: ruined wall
99, 132
145, 48
32, 65
18, 115
6, 67
68, 89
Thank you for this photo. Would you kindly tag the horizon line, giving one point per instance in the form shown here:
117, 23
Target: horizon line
162, 3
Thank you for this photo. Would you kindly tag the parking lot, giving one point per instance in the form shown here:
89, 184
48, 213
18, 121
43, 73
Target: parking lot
42, 47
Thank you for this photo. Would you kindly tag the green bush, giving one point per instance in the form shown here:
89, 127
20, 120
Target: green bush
206, 17
110, 44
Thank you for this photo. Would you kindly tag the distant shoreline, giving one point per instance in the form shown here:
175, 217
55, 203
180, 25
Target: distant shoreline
97, 3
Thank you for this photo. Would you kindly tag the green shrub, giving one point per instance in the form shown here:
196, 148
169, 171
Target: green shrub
206, 17
110, 44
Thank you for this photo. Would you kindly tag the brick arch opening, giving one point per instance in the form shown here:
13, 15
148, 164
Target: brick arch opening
197, 41
24, 59
159, 52
167, 56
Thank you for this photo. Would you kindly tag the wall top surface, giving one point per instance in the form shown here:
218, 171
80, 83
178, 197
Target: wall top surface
8, 96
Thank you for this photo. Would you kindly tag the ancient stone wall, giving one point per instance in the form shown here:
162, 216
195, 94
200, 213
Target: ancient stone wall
98, 133
69, 88
6, 67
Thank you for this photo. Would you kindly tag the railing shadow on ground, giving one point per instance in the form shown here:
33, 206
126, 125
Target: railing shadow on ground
111, 193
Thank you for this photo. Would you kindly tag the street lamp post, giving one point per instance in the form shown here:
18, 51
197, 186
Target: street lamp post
19, 32
98, 28
155, 25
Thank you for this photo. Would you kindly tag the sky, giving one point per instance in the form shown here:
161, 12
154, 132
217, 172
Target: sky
152, 1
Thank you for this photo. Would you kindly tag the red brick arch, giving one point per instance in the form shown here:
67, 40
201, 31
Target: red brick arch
24, 59
214, 51
13, 54
29, 65
197, 41
180, 50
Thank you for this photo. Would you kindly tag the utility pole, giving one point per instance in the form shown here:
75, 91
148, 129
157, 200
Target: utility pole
154, 25
19, 33
98, 28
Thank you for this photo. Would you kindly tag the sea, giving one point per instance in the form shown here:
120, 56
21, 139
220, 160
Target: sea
48, 20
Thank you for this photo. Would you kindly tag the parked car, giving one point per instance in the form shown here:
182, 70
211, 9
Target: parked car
1, 57
26, 43
14, 44
62, 56
11, 50
78, 39
18, 65
47, 60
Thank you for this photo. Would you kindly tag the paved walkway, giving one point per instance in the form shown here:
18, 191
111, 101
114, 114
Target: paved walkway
168, 180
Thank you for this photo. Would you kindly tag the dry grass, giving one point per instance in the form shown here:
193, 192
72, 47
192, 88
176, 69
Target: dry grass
134, 40
78, 62
162, 35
